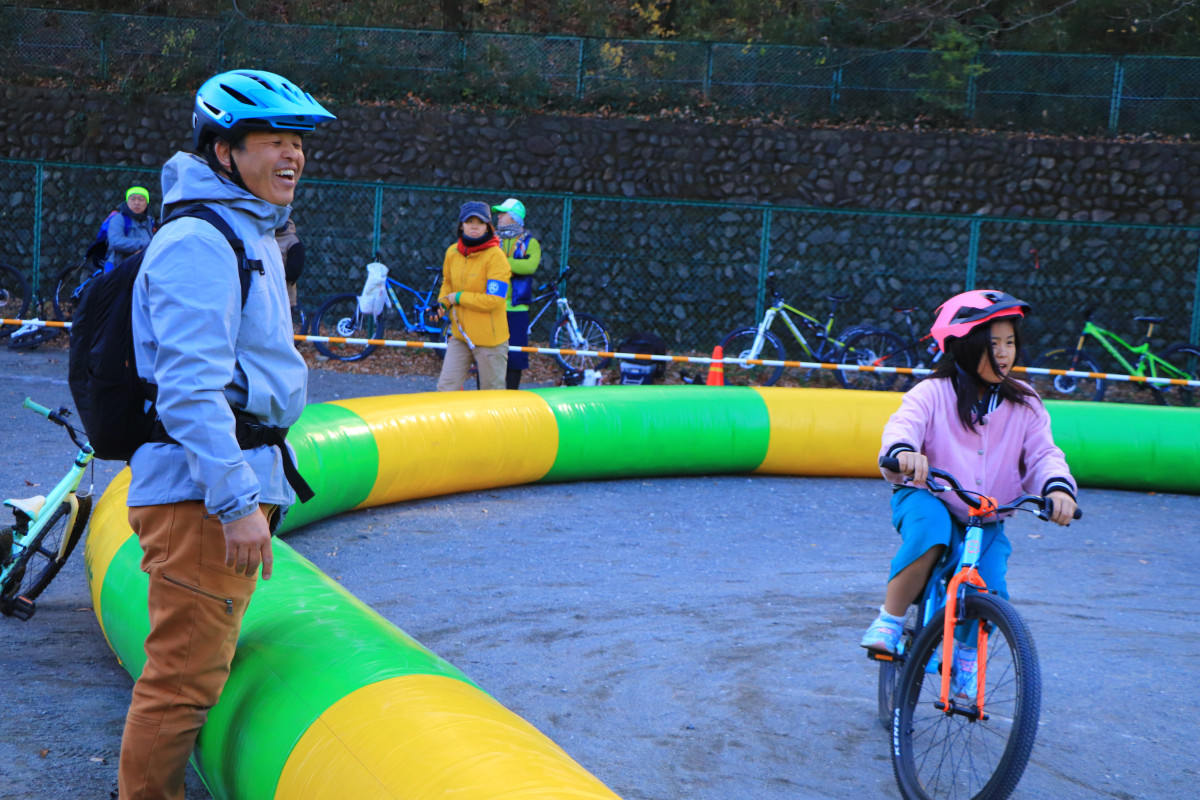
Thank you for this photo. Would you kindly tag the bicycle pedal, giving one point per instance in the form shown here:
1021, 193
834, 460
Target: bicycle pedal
22, 608
879, 655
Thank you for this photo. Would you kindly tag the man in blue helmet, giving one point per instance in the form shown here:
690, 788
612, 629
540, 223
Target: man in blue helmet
207, 492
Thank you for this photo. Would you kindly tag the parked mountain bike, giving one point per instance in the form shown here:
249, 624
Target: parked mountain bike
758, 342
573, 330
954, 734
919, 350
1179, 362
45, 529
341, 316
14, 298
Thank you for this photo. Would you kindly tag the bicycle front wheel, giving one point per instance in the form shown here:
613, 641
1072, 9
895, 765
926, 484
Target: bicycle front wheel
740, 345
340, 316
589, 334
36, 565
68, 288
873, 347
14, 298
1063, 385
1186, 358
939, 755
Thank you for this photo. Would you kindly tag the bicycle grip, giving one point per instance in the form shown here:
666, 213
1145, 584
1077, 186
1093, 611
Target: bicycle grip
1048, 509
890, 463
45, 412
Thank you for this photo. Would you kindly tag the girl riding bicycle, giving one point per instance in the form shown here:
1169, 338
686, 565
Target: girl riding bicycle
973, 419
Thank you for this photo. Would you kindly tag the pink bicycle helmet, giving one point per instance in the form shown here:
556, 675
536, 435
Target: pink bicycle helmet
965, 312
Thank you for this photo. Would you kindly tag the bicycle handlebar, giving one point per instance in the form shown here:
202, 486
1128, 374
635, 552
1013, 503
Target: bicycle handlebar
45, 412
1044, 504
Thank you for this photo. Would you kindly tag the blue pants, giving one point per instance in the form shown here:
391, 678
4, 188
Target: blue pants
518, 334
924, 521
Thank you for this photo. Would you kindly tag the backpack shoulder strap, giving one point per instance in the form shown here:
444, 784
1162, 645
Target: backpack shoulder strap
245, 265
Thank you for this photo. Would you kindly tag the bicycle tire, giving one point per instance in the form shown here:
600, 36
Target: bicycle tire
936, 755
14, 298
32, 338
738, 345
36, 566
873, 346
67, 288
594, 336
339, 316
1063, 386
1184, 357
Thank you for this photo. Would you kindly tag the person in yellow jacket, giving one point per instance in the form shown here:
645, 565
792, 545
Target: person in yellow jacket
524, 254
475, 279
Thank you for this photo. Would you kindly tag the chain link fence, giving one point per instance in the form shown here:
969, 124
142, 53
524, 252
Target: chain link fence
1025, 91
690, 272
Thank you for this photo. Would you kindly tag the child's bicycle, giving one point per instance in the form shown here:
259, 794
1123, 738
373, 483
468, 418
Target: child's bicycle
340, 316
573, 330
1181, 363
957, 733
859, 345
45, 530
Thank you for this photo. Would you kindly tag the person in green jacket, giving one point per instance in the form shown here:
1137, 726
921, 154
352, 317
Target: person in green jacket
524, 254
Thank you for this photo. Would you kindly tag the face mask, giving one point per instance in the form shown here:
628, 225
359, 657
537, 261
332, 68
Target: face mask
510, 231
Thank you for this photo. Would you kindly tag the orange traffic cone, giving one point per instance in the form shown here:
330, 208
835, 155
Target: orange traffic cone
716, 370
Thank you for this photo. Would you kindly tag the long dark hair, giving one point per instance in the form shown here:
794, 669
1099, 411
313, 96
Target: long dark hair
960, 364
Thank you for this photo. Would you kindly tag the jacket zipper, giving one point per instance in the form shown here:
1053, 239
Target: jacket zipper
227, 601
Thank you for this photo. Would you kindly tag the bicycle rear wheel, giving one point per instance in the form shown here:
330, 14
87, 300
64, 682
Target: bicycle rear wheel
1185, 357
340, 316
873, 347
1062, 385
740, 345
941, 755
592, 335
14, 298
37, 564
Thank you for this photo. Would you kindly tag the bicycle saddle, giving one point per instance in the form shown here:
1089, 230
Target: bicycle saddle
29, 506
1149, 320
904, 309
836, 298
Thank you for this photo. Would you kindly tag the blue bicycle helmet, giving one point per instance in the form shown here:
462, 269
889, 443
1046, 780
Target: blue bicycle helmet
232, 104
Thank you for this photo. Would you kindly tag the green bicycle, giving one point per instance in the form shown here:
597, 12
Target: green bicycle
862, 345
45, 530
1181, 362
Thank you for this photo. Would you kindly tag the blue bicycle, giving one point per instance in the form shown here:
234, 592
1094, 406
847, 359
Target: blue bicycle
45, 528
341, 317
962, 731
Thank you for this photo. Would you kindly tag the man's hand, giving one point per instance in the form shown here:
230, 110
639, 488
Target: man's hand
1064, 507
248, 544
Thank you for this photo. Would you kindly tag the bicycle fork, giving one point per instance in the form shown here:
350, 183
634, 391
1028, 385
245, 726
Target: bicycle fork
955, 593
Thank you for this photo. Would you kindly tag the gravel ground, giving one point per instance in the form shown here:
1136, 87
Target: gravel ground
679, 637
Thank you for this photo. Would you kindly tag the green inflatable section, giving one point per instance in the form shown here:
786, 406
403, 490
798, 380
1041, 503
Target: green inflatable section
305, 644
620, 432
337, 455
1129, 446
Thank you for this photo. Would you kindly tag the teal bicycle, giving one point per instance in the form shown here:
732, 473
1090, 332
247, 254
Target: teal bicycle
1181, 363
45, 529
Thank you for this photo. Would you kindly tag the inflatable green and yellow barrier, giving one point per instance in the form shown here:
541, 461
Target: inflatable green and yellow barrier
327, 699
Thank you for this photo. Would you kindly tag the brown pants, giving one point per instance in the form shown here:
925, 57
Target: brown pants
196, 609
491, 361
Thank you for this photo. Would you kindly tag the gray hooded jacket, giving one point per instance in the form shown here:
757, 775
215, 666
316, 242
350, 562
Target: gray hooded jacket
206, 353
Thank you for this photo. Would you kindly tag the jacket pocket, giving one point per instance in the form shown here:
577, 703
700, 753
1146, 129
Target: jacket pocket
228, 601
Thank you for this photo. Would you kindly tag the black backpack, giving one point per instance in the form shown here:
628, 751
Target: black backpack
113, 403
634, 373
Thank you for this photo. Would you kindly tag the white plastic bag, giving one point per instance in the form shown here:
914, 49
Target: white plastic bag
374, 293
